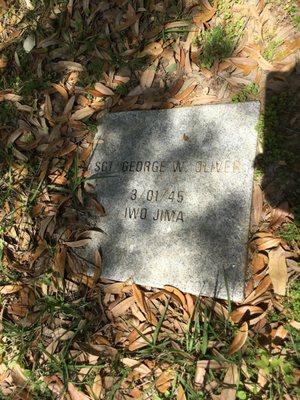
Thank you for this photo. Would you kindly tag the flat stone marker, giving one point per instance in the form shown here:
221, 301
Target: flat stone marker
176, 186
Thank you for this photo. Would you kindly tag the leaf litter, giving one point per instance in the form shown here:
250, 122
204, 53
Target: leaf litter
61, 67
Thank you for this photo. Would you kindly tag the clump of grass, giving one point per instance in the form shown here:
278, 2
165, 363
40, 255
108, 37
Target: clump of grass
219, 42
271, 49
216, 46
293, 303
245, 94
290, 232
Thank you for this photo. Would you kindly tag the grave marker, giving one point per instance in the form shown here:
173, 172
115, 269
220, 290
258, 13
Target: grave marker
176, 189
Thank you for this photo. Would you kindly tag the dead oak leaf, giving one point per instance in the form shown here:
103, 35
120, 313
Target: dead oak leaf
75, 394
140, 299
230, 383
240, 339
278, 270
103, 90
148, 75
180, 393
164, 381
153, 49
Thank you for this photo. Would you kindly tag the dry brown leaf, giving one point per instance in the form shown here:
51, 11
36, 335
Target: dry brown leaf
139, 297
295, 324
266, 243
257, 206
245, 64
122, 307
180, 393
69, 105
153, 49
148, 75
177, 24
77, 243
97, 388
136, 393
142, 370
261, 288
245, 311
240, 339
204, 16
262, 379
130, 362
139, 343
200, 374
61, 90
66, 149
60, 260
116, 288
177, 293
164, 381
55, 385
9, 289
185, 93
75, 394
12, 97
278, 270
211, 364
230, 383
68, 65
259, 262
279, 215
82, 113
104, 90
18, 375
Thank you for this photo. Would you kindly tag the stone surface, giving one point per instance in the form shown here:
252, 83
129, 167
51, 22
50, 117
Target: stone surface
176, 186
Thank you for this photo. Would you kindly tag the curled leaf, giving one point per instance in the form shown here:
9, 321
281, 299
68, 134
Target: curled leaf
240, 339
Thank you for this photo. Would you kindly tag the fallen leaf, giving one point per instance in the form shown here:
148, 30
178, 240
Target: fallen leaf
180, 393
243, 311
257, 206
295, 324
139, 297
240, 339
265, 243
148, 75
82, 113
78, 243
75, 394
204, 16
9, 289
200, 374
29, 43
164, 381
61, 90
259, 262
230, 383
152, 49
177, 293
278, 270
104, 90
97, 388
261, 288
122, 307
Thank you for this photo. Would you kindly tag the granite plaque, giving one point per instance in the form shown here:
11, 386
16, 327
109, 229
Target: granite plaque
176, 187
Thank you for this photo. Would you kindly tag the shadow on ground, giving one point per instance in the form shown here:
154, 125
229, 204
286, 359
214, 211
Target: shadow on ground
278, 166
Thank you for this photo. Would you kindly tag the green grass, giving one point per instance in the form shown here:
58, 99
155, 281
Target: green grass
290, 233
248, 92
216, 46
271, 49
218, 43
